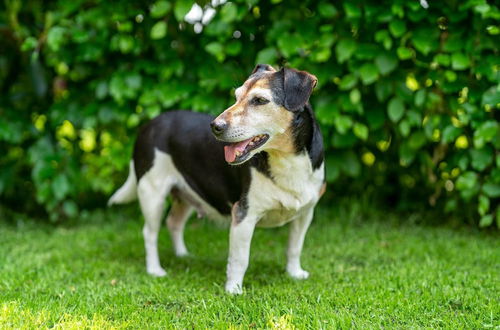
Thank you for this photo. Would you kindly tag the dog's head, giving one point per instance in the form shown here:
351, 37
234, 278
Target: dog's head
262, 116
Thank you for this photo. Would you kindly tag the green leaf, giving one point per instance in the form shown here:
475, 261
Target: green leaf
420, 96
368, 73
485, 133
417, 140
397, 28
355, 96
216, 49
406, 154
467, 181
404, 128
342, 123
484, 205
384, 37
491, 97
486, 221
386, 63
327, 10
101, 90
442, 59
159, 30
182, 7
459, 61
404, 53
321, 55
451, 205
160, 9
352, 10
233, 47
60, 186
267, 55
361, 131
344, 49
491, 189
450, 133
348, 82
29, 44
425, 40
290, 44
450, 76
70, 208
126, 43
55, 37
395, 109
481, 158
228, 12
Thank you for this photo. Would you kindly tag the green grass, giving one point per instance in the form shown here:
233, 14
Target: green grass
368, 270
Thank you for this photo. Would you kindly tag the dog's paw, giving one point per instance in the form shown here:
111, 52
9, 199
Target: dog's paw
298, 274
233, 288
157, 272
182, 254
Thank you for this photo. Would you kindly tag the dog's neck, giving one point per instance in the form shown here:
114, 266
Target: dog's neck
298, 150
301, 141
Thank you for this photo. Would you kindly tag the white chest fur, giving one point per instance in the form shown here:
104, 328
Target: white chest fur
294, 187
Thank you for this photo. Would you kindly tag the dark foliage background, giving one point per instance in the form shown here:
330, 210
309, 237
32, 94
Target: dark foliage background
408, 98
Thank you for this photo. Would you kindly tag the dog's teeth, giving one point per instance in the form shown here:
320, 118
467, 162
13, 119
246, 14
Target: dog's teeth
251, 143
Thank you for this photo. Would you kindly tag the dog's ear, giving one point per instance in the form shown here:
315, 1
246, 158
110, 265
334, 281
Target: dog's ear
263, 67
298, 86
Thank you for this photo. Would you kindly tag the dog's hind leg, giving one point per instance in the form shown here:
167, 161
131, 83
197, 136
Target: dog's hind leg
176, 220
152, 195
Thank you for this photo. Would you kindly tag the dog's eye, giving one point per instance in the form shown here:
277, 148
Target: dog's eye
259, 101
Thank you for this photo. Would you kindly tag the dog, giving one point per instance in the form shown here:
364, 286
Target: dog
259, 163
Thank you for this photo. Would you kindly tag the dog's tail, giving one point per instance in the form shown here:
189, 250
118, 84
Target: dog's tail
128, 192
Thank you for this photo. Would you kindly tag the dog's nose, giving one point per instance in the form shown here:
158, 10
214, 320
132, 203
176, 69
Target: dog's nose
218, 127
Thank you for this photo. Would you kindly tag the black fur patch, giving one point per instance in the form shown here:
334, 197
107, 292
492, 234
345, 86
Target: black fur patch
306, 132
292, 88
307, 135
197, 155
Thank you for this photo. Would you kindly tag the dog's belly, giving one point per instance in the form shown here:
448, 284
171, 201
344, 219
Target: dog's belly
202, 208
278, 217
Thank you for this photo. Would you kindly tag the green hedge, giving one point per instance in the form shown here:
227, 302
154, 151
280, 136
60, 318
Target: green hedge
408, 98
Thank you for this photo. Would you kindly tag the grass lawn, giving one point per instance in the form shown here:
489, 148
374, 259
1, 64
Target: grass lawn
368, 269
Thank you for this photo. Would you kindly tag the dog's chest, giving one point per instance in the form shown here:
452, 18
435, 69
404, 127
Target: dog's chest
293, 188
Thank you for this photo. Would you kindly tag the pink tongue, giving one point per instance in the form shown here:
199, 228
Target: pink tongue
230, 150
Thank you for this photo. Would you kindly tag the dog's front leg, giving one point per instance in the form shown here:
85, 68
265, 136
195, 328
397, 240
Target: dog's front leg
240, 237
298, 229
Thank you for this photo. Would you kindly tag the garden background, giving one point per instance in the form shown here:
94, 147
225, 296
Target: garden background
408, 97
408, 100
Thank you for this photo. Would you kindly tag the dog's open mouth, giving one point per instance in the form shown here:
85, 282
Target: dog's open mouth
237, 152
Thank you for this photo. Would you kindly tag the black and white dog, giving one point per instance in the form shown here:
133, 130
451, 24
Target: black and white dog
259, 163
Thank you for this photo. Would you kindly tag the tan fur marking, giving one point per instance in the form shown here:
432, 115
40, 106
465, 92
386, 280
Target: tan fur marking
322, 190
241, 106
283, 142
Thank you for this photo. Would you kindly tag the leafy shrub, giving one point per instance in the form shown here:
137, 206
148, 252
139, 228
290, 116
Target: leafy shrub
408, 97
